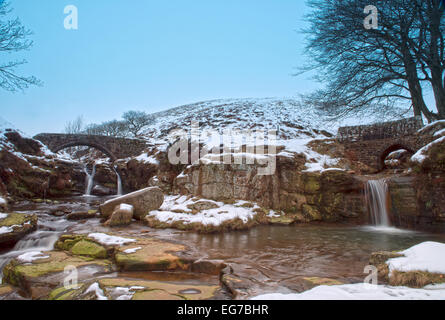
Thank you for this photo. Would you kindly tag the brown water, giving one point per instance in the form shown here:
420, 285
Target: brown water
282, 253
272, 256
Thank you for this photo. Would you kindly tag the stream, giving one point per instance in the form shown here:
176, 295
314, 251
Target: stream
278, 253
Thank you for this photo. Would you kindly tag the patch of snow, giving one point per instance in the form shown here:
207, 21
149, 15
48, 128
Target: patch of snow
132, 250
126, 293
97, 290
3, 201
439, 133
170, 212
110, 240
126, 207
427, 256
430, 125
145, 158
3, 215
420, 156
31, 256
332, 169
360, 291
5, 230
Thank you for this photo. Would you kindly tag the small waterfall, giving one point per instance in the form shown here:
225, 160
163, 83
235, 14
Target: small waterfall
90, 180
119, 182
377, 196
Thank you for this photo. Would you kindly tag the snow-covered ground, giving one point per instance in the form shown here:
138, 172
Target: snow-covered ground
427, 256
361, 291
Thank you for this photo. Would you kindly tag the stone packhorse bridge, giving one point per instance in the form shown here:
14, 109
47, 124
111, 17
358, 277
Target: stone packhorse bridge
371, 144
115, 148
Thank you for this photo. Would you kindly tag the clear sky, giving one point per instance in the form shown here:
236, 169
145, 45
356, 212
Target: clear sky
153, 55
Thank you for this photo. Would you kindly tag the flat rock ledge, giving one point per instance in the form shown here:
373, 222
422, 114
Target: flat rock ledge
14, 226
41, 275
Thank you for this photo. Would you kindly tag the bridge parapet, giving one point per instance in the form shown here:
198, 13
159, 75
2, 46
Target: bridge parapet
379, 131
115, 148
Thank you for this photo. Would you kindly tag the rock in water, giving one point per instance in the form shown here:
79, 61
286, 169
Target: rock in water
143, 201
121, 216
14, 226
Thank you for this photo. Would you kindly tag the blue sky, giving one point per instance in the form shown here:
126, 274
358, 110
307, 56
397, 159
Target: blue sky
153, 55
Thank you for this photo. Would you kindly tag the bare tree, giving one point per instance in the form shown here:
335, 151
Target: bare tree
112, 128
13, 38
75, 127
136, 121
370, 70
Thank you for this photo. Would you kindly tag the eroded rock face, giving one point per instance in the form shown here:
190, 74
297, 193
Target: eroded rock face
143, 201
311, 196
26, 172
418, 199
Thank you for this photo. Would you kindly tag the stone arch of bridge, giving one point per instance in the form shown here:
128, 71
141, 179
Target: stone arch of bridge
86, 144
391, 148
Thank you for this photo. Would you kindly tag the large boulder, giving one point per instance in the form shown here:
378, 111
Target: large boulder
143, 201
121, 216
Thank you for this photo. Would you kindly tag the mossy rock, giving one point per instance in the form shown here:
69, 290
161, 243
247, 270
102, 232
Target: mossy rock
38, 278
311, 183
67, 241
20, 225
90, 249
283, 220
311, 213
66, 293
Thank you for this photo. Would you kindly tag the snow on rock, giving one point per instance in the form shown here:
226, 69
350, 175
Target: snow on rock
145, 158
430, 125
97, 290
3, 216
439, 133
427, 256
31, 256
125, 293
4, 230
110, 240
361, 291
126, 207
175, 208
420, 155
132, 250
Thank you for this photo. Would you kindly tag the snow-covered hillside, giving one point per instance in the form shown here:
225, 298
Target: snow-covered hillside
288, 116
296, 125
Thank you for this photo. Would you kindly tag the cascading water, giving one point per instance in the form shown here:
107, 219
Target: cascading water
89, 180
119, 182
377, 196
49, 230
